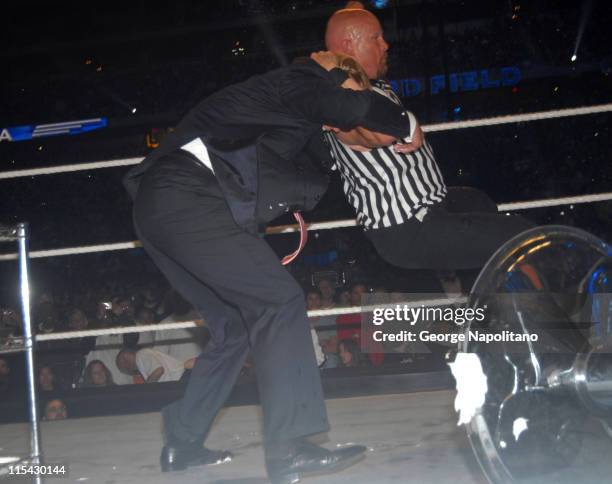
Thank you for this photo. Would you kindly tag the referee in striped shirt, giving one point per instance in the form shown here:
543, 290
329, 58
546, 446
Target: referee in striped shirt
397, 190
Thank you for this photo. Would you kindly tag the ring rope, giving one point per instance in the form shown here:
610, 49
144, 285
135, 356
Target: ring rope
492, 121
519, 118
54, 170
554, 202
436, 302
333, 224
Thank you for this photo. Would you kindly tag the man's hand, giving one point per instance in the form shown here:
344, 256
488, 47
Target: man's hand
415, 144
327, 60
155, 375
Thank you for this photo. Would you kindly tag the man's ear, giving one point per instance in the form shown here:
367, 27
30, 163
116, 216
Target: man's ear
347, 47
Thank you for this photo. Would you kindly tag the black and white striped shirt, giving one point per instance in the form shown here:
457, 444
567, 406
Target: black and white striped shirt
387, 188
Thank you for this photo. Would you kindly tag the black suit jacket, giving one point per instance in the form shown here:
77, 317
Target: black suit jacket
265, 141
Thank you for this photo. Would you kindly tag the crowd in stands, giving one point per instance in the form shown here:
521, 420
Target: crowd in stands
168, 354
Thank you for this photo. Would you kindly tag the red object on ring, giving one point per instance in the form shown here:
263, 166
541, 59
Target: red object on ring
303, 239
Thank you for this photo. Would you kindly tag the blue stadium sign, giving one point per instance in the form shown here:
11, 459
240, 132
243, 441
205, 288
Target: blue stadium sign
459, 81
29, 132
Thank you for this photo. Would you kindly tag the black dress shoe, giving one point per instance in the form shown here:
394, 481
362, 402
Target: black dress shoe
179, 457
305, 459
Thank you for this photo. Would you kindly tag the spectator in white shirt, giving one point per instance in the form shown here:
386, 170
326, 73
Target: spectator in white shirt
153, 365
106, 350
182, 344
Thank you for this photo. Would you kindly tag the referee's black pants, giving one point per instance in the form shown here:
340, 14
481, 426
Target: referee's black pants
247, 298
462, 232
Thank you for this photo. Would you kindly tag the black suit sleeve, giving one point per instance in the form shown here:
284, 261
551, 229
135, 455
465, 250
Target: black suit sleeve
320, 101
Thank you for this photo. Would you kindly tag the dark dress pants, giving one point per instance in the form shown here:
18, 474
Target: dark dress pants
247, 298
460, 233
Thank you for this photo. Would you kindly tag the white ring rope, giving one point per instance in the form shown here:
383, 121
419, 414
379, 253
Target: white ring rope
118, 330
54, 170
333, 224
554, 202
520, 118
492, 121
443, 301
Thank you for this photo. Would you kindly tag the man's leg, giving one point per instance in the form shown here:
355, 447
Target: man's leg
465, 200
445, 240
215, 371
181, 213
473, 237
422, 278
245, 272
468, 199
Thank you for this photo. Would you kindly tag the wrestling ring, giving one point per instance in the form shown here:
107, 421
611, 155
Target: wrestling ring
533, 412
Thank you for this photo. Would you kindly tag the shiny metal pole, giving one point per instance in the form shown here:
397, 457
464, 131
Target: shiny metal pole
24, 283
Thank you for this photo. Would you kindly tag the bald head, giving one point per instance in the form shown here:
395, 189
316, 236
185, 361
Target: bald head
358, 33
126, 361
344, 24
